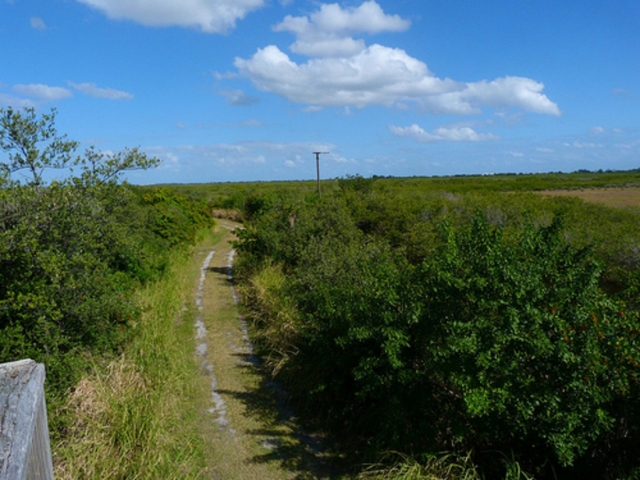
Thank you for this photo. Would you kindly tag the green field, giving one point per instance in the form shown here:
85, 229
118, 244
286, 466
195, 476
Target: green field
218, 193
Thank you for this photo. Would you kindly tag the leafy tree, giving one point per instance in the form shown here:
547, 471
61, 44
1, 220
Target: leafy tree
33, 143
72, 251
99, 168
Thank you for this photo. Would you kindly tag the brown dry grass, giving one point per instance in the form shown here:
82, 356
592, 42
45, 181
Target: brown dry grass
223, 214
611, 197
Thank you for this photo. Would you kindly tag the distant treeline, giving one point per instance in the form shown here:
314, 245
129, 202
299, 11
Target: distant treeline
234, 194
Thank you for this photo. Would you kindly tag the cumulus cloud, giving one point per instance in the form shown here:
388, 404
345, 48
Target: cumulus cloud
38, 23
511, 91
385, 76
210, 16
93, 90
343, 72
377, 75
447, 134
42, 92
328, 31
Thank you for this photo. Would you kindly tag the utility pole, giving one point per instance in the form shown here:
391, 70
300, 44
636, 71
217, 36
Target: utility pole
317, 154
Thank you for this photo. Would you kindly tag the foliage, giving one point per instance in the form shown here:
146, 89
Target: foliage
66, 272
127, 420
173, 217
73, 251
433, 467
444, 466
453, 322
21, 133
521, 345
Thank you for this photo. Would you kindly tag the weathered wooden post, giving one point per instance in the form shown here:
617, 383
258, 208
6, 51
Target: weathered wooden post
25, 453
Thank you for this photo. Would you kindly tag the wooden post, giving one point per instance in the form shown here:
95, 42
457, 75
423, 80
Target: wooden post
25, 452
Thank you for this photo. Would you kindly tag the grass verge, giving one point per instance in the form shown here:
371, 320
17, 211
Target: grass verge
135, 418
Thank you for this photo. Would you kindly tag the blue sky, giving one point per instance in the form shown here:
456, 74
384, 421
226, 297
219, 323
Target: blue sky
243, 90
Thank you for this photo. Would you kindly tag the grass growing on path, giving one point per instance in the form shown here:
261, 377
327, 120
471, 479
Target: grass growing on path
249, 436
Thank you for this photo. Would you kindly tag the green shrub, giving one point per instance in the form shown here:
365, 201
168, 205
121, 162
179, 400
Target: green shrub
488, 333
173, 217
519, 345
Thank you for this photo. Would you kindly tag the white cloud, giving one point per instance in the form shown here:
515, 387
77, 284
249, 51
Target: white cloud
16, 102
510, 91
38, 23
344, 72
579, 144
376, 76
368, 17
93, 90
210, 16
231, 155
238, 98
225, 76
42, 92
246, 123
595, 131
328, 31
448, 134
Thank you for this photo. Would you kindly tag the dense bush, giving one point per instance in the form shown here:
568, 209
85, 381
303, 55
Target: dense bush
73, 250
462, 324
520, 343
172, 217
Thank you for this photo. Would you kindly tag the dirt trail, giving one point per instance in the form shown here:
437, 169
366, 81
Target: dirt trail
247, 432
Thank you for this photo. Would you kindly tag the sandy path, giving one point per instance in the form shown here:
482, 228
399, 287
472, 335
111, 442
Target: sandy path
247, 435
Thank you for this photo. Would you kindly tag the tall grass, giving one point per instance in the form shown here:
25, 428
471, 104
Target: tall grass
444, 466
137, 417
275, 318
